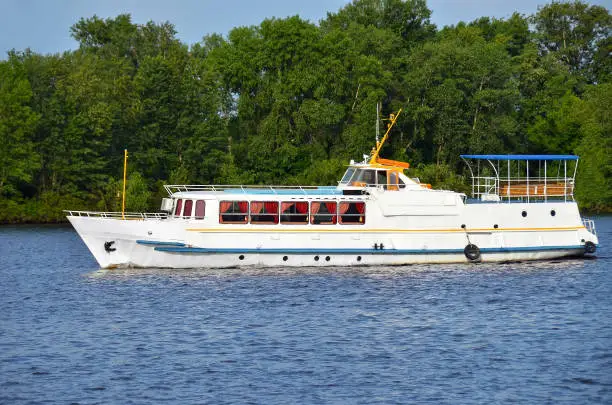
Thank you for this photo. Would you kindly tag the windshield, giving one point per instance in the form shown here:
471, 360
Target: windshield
347, 176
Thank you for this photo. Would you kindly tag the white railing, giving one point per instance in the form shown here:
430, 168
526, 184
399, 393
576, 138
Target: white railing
117, 215
175, 188
589, 224
484, 186
523, 187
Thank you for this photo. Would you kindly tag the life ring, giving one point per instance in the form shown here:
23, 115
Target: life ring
589, 247
472, 252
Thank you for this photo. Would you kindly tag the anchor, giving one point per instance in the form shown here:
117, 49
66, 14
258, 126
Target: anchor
108, 246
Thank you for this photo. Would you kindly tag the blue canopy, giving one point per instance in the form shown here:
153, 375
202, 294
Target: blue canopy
521, 157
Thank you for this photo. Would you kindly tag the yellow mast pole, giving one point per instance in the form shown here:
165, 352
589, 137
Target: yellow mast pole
380, 144
124, 181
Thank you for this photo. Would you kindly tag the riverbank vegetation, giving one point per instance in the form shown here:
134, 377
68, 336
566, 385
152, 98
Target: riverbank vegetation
290, 102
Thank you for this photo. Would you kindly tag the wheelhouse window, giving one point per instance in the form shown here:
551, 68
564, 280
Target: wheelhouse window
264, 212
347, 176
352, 213
323, 213
200, 209
294, 212
381, 178
233, 212
177, 209
393, 181
188, 208
364, 178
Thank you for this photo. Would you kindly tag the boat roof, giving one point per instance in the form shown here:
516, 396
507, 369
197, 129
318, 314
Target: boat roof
521, 157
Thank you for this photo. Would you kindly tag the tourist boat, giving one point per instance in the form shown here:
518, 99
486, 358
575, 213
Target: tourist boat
521, 207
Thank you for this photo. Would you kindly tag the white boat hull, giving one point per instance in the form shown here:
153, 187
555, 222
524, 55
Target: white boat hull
498, 230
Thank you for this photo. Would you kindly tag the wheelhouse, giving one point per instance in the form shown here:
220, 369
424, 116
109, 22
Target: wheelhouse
368, 176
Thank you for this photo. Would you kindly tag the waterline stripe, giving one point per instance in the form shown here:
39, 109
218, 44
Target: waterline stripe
159, 243
362, 251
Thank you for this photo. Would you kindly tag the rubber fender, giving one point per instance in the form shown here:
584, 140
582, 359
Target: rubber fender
589, 247
472, 252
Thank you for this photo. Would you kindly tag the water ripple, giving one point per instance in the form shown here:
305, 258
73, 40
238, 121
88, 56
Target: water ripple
537, 332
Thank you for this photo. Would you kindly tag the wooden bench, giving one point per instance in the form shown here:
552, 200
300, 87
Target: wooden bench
536, 189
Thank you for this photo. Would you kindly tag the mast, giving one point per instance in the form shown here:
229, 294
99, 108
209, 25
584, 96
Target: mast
379, 145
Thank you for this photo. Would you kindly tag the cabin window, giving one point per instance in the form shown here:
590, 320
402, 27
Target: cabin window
365, 178
347, 176
294, 212
187, 209
393, 180
179, 205
381, 178
264, 212
233, 212
323, 212
352, 213
200, 209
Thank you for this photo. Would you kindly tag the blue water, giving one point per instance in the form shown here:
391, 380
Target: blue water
453, 334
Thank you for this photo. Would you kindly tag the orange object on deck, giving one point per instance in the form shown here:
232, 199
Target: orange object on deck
395, 163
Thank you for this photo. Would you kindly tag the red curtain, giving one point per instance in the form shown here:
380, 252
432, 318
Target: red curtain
243, 206
199, 210
360, 207
271, 207
225, 206
187, 209
285, 206
301, 207
179, 205
256, 207
331, 207
344, 207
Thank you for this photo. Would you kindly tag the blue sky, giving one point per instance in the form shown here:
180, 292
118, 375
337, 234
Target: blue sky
44, 25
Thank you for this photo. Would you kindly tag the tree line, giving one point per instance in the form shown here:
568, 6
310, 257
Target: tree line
291, 102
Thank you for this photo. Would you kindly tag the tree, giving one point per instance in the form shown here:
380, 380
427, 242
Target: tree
574, 32
18, 157
594, 184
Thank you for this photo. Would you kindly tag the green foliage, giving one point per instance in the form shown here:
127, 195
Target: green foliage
18, 159
594, 184
291, 102
573, 32
137, 194
440, 176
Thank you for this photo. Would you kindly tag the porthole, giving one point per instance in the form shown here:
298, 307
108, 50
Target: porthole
241, 257
553, 213
462, 226
358, 258
327, 258
495, 226
524, 214
316, 258
285, 258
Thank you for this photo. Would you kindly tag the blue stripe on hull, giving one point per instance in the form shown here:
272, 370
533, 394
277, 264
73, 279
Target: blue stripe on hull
159, 243
363, 251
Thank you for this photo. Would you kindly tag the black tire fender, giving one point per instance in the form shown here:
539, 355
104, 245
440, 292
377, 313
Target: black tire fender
589, 247
472, 253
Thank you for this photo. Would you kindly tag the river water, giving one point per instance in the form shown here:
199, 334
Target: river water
451, 334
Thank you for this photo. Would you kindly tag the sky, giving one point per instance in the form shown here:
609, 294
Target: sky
44, 25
